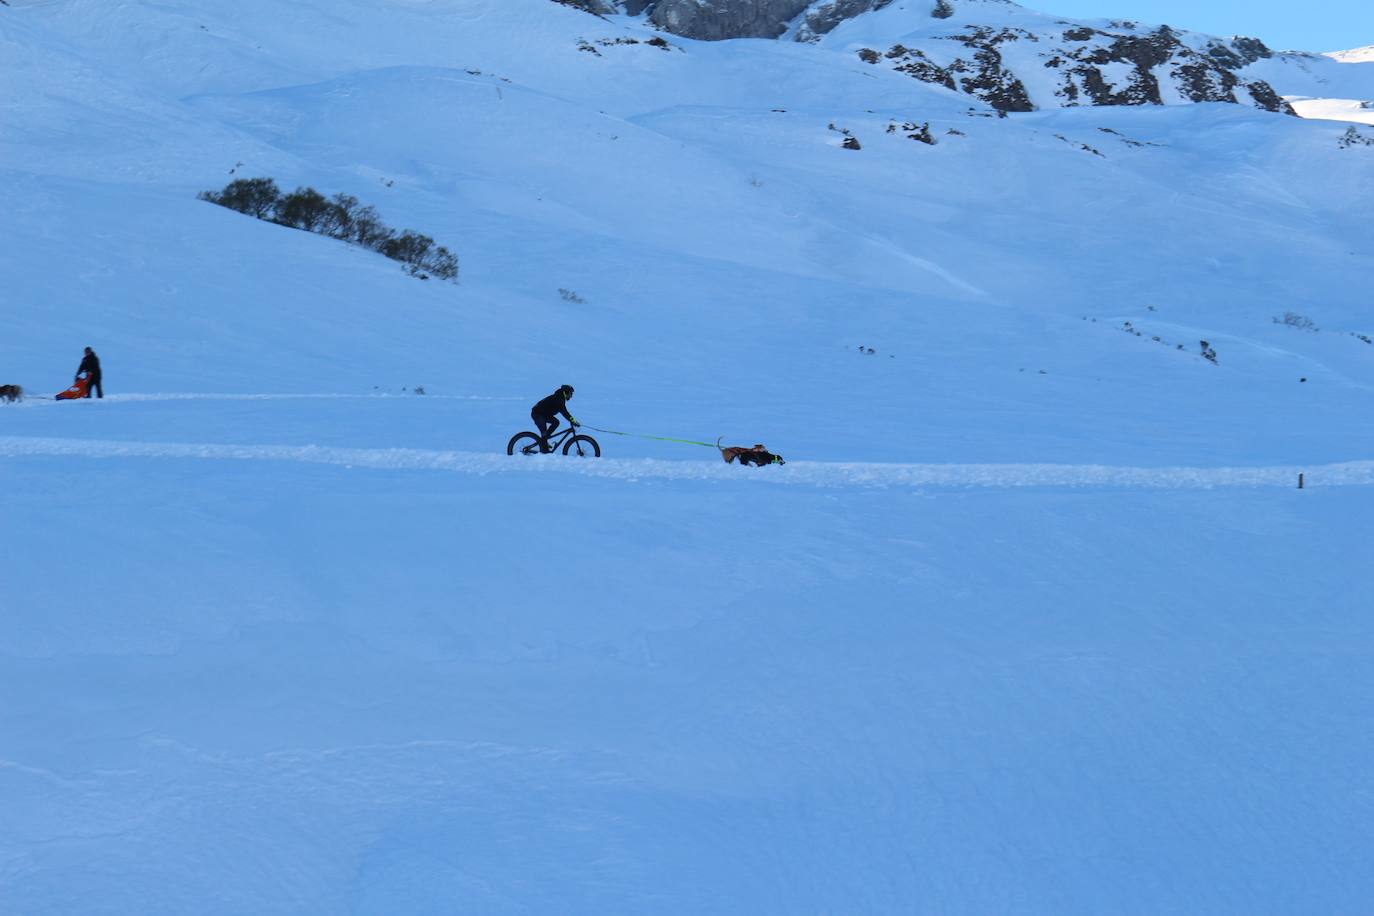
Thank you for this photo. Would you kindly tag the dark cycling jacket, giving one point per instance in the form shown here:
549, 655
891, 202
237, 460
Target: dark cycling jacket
555, 403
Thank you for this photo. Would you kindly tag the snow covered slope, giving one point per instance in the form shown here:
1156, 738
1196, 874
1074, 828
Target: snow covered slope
1337, 86
1034, 620
1318, 76
1355, 110
1354, 56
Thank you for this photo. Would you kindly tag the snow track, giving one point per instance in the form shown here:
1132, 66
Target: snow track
801, 473
375, 396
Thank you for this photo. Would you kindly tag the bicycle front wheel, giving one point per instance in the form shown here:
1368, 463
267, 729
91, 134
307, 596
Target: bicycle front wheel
581, 446
523, 444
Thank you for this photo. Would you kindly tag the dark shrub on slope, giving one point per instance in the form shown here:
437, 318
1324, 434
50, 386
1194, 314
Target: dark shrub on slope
305, 209
254, 196
339, 217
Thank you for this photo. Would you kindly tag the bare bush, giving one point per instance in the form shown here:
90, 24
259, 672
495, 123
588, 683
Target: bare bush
305, 209
340, 217
1294, 320
257, 197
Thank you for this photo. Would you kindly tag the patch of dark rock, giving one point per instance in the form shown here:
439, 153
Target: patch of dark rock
919, 66
1353, 137
1202, 81
1083, 146
1251, 49
1265, 97
823, 19
595, 7
1129, 142
919, 132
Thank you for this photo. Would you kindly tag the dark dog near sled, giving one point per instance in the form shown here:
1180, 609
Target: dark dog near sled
758, 455
11, 392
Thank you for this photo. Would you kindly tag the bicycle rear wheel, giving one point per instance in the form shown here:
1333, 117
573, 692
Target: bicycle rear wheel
581, 446
523, 444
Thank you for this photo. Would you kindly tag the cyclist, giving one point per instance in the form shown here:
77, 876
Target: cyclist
545, 415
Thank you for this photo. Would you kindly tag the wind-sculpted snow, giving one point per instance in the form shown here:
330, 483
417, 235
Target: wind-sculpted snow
796, 473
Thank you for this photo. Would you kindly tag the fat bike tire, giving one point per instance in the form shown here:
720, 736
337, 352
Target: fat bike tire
523, 444
581, 446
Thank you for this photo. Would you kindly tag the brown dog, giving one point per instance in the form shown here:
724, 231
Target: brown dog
11, 392
758, 455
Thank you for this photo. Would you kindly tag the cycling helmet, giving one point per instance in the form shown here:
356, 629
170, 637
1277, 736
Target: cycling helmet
567, 390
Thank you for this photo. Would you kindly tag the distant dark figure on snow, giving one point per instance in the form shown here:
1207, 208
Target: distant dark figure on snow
757, 456
15, 392
545, 414
90, 363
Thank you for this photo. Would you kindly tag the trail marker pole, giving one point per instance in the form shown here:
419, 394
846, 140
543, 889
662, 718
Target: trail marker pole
1300, 476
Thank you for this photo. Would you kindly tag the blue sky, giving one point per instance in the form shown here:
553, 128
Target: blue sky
1314, 25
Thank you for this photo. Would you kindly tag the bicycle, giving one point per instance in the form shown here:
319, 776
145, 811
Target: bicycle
569, 440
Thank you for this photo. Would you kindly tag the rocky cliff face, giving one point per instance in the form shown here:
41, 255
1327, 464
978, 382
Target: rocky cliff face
714, 20
807, 20
1086, 66
821, 20
994, 50
597, 7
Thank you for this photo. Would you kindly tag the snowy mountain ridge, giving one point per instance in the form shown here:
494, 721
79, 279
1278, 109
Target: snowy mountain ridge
1354, 56
1005, 54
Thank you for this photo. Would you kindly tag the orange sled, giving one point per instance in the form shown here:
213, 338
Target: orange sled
79, 388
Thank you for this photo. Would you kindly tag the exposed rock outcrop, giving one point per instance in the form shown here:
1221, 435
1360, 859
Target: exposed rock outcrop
1127, 67
913, 63
822, 20
987, 78
1196, 76
597, 7
1353, 137
714, 20
1251, 49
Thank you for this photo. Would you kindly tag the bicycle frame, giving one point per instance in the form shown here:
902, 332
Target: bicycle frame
557, 439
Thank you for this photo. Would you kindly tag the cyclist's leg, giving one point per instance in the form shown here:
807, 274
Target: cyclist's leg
546, 427
553, 427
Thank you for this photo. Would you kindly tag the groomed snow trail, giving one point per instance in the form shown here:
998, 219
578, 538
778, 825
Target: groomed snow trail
35, 400
801, 473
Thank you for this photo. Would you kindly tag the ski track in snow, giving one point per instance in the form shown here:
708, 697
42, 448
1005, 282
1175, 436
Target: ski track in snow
800, 473
405, 395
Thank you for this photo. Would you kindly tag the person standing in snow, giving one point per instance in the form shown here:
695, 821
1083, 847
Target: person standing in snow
545, 414
90, 363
